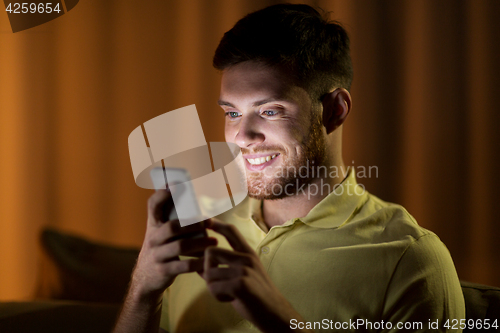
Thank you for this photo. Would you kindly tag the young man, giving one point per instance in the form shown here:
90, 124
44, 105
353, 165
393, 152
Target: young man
310, 250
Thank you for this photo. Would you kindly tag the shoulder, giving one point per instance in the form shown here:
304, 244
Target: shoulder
423, 284
408, 246
388, 222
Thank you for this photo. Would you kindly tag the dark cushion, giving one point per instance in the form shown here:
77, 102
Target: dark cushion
74, 268
481, 302
57, 317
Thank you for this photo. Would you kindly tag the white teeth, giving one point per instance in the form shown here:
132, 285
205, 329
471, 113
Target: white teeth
260, 160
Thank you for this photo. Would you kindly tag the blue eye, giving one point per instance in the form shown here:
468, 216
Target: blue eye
270, 113
232, 114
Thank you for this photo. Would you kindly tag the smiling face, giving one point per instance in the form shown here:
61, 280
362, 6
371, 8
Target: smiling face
276, 125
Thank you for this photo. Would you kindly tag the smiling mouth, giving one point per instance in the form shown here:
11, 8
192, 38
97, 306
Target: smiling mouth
261, 160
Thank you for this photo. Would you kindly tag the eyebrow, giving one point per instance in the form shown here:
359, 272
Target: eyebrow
258, 103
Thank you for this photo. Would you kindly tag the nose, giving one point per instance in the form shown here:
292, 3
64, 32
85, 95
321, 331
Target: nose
249, 132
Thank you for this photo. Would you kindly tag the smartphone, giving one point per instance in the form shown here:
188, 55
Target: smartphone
185, 208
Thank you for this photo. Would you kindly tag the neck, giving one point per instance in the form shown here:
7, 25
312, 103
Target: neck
277, 212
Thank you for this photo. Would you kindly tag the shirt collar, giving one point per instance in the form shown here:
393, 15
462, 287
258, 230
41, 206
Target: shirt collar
250, 209
339, 206
334, 210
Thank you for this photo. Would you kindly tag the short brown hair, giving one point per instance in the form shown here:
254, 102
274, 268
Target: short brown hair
296, 38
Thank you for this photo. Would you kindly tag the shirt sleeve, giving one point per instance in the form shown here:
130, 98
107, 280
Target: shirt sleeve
424, 290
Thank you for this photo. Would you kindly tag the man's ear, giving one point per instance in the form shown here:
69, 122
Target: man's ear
336, 107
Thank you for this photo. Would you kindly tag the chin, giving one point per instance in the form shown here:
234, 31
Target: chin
261, 190
264, 196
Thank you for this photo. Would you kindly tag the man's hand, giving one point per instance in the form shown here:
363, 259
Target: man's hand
158, 264
240, 278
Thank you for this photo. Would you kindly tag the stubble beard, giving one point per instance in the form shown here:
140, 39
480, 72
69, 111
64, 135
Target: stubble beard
270, 184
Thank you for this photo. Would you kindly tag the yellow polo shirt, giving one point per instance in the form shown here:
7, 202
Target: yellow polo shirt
354, 263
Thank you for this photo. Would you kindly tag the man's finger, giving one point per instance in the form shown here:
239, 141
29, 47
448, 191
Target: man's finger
159, 205
177, 231
172, 230
233, 236
224, 291
184, 247
215, 256
224, 273
184, 266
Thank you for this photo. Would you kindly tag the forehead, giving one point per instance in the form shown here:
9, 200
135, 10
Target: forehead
250, 81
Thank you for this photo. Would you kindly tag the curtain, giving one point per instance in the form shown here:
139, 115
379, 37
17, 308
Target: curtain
425, 116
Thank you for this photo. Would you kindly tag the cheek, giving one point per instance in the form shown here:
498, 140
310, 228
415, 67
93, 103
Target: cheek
229, 133
290, 133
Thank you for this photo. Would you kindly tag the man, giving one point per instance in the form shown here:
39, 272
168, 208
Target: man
310, 250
